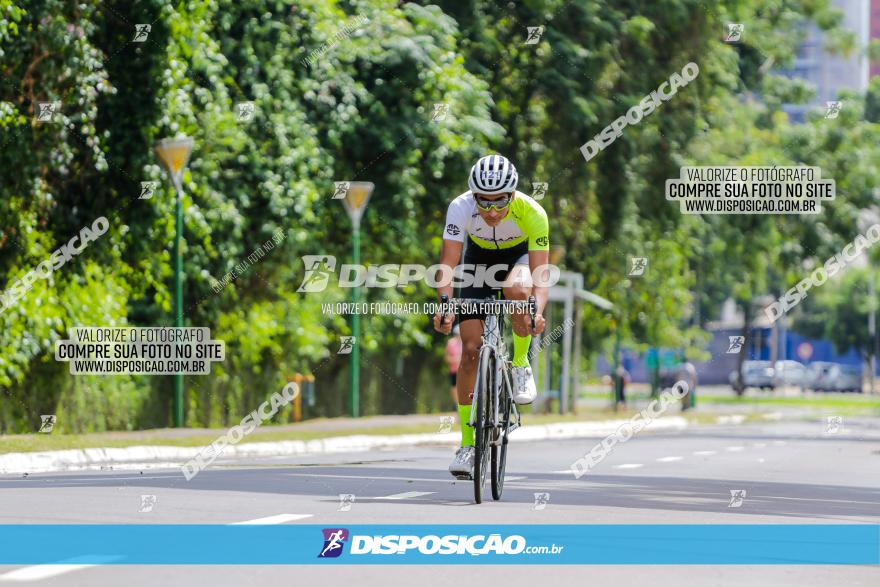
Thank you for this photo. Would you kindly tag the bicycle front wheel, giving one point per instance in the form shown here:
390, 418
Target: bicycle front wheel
499, 449
483, 421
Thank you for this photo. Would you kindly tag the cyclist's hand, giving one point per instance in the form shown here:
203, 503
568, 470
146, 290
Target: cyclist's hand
445, 328
539, 324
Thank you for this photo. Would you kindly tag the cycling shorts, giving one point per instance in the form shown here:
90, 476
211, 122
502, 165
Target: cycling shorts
479, 256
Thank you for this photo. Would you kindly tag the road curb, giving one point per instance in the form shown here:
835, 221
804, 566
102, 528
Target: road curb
154, 456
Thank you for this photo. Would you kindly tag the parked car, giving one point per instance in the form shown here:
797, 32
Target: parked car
789, 373
846, 378
817, 376
757, 374
825, 376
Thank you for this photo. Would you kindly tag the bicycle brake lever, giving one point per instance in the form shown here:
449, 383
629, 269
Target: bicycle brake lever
533, 310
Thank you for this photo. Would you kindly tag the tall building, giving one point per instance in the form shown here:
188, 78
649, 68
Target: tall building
875, 33
828, 73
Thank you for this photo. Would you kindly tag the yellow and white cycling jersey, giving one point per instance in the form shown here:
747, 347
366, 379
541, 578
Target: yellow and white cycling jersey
526, 221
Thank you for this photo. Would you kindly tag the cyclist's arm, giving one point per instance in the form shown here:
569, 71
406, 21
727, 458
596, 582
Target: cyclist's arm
537, 259
537, 228
453, 241
449, 257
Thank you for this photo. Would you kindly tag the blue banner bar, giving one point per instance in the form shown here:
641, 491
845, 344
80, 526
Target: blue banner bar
739, 544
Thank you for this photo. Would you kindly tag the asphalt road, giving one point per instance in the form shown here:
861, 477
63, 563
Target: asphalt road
791, 472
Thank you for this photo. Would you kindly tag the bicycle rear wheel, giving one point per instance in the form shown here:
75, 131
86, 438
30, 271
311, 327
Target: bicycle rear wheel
482, 423
499, 449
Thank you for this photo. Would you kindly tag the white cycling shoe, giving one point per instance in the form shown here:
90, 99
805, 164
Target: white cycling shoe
524, 391
462, 466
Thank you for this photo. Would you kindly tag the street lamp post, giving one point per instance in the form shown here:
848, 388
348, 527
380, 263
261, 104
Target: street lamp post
355, 201
174, 153
872, 325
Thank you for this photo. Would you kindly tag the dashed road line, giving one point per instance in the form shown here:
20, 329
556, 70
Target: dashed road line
279, 519
444, 479
41, 572
407, 495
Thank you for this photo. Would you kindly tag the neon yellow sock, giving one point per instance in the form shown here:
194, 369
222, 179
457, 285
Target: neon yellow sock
521, 350
467, 431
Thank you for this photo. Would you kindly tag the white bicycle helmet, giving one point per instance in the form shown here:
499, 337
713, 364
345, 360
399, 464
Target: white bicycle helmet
493, 174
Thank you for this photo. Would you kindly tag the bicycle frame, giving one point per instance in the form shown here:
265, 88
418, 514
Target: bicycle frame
493, 340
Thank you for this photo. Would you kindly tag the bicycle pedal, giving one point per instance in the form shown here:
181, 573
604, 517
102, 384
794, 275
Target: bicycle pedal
464, 477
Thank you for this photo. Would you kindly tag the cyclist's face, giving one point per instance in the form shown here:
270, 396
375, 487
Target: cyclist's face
494, 215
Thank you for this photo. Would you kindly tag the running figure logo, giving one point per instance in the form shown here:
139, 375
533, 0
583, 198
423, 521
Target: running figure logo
833, 424
47, 423
734, 32
440, 111
318, 271
736, 344
47, 110
832, 109
345, 502
638, 266
346, 344
245, 111
534, 35
334, 540
147, 503
340, 189
539, 190
737, 496
541, 501
446, 424
141, 32
147, 189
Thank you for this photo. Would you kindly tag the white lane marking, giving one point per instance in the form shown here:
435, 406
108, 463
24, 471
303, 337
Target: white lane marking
506, 478
33, 477
820, 500
40, 572
669, 459
760, 444
279, 519
628, 466
444, 480
407, 495
704, 453
778, 442
760, 460
734, 448
564, 472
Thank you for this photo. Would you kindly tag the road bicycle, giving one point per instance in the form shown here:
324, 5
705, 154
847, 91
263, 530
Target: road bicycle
493, 412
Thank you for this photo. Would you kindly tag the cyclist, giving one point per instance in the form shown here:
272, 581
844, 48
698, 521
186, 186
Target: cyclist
504, 228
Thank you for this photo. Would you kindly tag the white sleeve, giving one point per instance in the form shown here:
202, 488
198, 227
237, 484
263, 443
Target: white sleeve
457, 217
